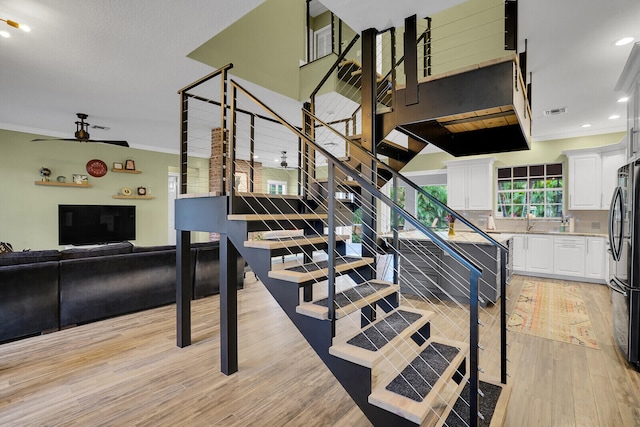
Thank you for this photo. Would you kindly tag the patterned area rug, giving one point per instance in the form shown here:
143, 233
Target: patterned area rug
554, 311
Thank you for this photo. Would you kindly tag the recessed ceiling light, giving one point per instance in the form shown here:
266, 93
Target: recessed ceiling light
623, 99
586, 125
614, 116
5, 34
624, 41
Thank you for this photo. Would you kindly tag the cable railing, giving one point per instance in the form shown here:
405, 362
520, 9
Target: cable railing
476, 240
317, 199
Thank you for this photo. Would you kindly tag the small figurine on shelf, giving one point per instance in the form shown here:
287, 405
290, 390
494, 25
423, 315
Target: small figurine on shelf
451, 220
45, 173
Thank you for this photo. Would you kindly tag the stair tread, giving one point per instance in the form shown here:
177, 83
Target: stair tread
350, 300
411, 393
276, 217
288, 242
318, 270
366, 347
492, 405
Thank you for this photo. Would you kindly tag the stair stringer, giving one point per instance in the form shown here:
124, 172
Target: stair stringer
355, 379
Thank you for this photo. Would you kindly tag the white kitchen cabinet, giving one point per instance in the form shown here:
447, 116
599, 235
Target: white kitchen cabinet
470, 184
533, 253
596, 258
518, 253
569, 255
629, 84
539, 257
560, 256
592, 176
585, 181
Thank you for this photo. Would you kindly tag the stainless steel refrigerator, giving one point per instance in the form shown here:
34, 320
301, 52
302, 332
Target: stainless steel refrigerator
624, 281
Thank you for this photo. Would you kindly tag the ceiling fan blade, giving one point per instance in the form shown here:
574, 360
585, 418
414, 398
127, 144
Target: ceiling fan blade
120, 143
53, 139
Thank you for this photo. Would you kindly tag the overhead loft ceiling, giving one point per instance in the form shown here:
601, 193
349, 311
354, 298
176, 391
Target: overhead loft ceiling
122, 62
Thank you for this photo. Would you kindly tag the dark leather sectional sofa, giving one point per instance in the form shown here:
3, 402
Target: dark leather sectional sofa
43, 291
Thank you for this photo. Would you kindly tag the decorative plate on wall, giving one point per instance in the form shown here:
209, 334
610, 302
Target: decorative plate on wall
96, 168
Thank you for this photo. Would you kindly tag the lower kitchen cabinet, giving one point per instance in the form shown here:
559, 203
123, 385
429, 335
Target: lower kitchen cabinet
539, 254
596, 258
532, 253
560, 256
568, 253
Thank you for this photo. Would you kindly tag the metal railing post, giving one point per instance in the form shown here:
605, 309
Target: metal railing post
232, 151
473, 348
396, 243
503, 315
331, 206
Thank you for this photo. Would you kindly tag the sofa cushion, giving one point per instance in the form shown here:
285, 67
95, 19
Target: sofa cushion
111, 249
137, 249
29, 257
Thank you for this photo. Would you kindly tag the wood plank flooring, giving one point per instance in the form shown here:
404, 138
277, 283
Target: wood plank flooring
127, 371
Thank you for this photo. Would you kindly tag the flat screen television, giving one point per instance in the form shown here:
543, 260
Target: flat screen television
95, 224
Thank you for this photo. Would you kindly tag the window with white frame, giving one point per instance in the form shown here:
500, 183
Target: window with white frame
277, 187
537, 190
322, 41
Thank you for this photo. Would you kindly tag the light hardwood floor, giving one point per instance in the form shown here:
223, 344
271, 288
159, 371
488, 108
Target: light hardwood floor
128, 371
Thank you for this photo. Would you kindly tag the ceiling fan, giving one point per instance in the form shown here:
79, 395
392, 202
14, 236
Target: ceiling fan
82, 135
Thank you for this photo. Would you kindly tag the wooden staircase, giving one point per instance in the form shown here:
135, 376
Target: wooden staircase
394, 368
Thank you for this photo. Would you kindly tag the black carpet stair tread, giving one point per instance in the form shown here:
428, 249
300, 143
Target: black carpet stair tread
289, 242
318, 270
350, 300
492, 406
367, 347
413, 392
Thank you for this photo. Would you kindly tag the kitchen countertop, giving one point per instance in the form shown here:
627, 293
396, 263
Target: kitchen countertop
459, 237
554, 233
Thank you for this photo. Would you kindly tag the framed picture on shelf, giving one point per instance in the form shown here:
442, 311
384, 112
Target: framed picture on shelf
117, 166
80, 179
130, 165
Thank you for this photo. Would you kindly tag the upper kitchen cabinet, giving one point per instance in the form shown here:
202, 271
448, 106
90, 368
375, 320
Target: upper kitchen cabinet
629, 84
592, 176
470, 184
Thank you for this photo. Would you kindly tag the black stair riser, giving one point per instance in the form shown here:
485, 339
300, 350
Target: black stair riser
293, 224
264, 205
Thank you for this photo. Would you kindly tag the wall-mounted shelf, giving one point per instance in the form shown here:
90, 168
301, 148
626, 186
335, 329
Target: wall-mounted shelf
125, 171
61, 184
134, 197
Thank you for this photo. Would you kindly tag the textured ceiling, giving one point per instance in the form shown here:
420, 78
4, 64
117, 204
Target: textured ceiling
122, 62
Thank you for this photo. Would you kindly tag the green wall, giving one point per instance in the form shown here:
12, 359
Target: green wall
265, 46
29, 212
541, 152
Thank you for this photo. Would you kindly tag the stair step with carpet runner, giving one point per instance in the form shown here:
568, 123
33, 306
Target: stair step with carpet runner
492, 404
315, 271
379, 338
350, 300
413, 392
293, 242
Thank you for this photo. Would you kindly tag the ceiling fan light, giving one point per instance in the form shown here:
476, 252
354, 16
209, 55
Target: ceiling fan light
623, 99
5, 34
25, 28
